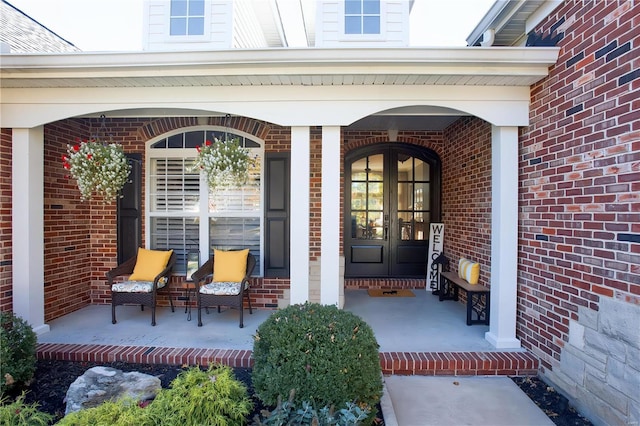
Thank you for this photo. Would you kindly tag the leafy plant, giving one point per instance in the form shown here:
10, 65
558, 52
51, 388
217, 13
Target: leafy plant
287, 414
124, 412
197, 397
97, 167
327, 355
20, 413
17, 351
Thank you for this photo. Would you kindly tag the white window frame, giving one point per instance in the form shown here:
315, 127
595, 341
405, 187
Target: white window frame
205, 36
203, 206
362, 37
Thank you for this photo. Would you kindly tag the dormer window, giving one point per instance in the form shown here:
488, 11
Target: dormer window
362, 17
187, 17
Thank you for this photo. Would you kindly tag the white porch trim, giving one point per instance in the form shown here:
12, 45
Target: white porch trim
28, 226
300, 185
504, 237
330, 213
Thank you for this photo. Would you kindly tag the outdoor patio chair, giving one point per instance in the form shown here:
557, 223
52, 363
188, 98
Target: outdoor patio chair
225, 282
149, 272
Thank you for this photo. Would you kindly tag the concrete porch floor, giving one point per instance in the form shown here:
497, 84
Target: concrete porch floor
417, 335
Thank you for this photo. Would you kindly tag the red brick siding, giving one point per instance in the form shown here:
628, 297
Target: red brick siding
6, 256
466, 194
580, 175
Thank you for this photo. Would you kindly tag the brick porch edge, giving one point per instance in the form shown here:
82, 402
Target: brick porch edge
400, 363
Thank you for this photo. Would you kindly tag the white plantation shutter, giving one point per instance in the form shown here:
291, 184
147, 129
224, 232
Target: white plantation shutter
174, 187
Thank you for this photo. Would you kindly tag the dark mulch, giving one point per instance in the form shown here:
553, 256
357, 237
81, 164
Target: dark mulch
553, 404
52, 379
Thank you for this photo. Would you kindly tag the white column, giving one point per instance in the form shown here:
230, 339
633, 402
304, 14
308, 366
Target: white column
300, 183
330, 227
504, 237
28, 226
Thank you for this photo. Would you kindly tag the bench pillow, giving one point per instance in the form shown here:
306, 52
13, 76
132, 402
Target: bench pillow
149, 264
469, 271
229, 266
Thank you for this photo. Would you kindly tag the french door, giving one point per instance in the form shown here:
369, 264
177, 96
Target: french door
392, 194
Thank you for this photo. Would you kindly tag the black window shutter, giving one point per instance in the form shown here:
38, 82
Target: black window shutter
277, 210
130, 212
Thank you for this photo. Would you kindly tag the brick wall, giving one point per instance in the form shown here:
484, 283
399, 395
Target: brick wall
466, 193
6, 257
579, 240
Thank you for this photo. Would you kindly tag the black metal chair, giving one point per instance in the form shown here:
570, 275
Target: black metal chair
222, 294
143, 293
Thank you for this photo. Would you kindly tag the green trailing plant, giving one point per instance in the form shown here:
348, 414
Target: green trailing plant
17, 351
286, 413
98, 168
18, 413
197, 397
225, 163
327, 355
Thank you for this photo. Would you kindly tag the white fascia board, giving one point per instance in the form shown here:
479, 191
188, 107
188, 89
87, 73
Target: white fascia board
475, 60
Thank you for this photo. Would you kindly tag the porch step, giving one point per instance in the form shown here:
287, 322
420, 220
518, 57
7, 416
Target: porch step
392, 363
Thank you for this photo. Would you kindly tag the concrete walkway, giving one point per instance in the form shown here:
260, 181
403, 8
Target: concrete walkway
456, 401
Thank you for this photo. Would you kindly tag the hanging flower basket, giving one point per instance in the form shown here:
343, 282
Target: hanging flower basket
100, 169
225, 163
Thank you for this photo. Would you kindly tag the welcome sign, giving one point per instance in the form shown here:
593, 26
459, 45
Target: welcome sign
436, 244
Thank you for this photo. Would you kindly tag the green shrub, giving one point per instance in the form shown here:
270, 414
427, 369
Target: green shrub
196, 397
18, 413
287, 414
17, 351
327, 355
124, 412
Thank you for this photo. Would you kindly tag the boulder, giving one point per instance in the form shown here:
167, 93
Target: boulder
99, 384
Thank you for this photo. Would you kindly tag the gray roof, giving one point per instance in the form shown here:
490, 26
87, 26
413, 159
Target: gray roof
23, 34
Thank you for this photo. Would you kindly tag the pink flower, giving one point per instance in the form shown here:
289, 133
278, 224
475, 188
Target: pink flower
89, 156
66, 165
76, 147
207, 142
198, 148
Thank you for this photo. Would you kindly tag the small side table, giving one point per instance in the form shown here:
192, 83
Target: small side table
188, 287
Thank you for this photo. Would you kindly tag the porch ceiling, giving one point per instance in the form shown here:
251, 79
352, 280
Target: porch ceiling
281, 67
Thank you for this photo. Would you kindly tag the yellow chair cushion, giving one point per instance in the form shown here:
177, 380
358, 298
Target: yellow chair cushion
149, 264
229, 266
469, 271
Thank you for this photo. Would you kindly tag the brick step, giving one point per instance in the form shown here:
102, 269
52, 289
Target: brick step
398, 363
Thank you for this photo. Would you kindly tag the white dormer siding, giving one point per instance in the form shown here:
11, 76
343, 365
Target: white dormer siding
247, 32
217, 27
394, 25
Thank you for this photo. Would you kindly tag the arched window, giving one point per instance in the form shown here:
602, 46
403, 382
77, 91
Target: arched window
183, 214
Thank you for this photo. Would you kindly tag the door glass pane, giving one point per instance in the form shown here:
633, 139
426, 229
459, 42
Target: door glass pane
367, 198
374, 229
405, 226
375, 199
421, 171
405, 196
413, 198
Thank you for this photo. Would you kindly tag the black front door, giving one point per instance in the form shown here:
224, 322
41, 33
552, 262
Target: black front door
392, 195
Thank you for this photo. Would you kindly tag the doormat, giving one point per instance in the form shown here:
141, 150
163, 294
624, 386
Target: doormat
376, 292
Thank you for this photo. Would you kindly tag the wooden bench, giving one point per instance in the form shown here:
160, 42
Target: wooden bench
477, 296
